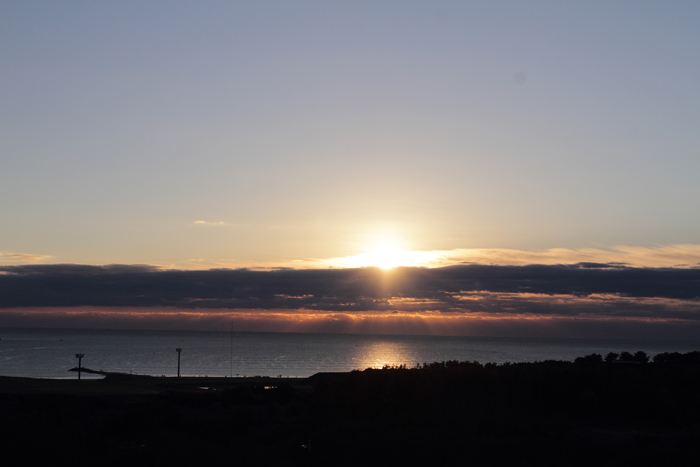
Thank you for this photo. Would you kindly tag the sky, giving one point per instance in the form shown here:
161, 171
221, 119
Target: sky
192, 137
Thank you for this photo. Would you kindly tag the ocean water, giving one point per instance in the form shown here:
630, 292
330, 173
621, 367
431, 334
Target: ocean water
50, 353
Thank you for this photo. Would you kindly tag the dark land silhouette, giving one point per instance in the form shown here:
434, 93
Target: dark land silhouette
619, 409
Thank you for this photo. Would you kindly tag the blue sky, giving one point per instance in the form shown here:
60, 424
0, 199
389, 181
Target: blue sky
207, 133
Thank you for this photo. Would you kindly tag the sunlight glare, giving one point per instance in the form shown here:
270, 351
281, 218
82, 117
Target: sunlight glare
385, 258
384, 252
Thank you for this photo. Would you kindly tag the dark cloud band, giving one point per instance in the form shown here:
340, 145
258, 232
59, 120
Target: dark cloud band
409, 289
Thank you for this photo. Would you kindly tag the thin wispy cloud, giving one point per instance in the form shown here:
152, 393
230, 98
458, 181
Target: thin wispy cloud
22, 257
664, 256
209, 223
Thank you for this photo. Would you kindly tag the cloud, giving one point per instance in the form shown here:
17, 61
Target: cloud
209, 223
471, 324
664, 256
587, 289
22, 257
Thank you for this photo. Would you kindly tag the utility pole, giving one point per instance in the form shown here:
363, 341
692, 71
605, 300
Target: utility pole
79, 356
178, 361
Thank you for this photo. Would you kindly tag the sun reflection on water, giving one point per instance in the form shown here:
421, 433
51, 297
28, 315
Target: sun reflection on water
378, 355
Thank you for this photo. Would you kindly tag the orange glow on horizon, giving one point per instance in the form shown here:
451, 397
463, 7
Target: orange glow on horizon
303, 321
389, 252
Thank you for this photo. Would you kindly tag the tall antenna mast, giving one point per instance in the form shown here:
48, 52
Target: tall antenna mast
79, 356
231, 349
178, 361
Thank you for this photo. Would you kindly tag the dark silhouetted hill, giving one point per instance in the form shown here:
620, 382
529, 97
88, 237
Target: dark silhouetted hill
618, 410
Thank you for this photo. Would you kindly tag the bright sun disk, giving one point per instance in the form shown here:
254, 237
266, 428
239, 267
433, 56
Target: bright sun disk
385, 258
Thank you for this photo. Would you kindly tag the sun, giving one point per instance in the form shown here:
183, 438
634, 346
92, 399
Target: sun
385, 258
385, 251
382, 251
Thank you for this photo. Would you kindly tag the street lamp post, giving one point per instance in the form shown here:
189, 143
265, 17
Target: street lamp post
79, 356
178, 361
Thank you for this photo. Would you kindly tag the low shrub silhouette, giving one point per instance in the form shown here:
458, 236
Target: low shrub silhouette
593, 358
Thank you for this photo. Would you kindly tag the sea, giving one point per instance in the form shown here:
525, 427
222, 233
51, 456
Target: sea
51, 353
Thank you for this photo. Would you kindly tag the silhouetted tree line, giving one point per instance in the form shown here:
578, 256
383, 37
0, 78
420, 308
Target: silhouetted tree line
618, 410
667, 358
615, 387
612, 357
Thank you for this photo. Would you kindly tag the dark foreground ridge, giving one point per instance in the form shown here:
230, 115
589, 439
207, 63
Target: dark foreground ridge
618, 410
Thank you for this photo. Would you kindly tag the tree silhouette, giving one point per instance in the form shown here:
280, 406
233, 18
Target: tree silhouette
641, 357
611, 357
